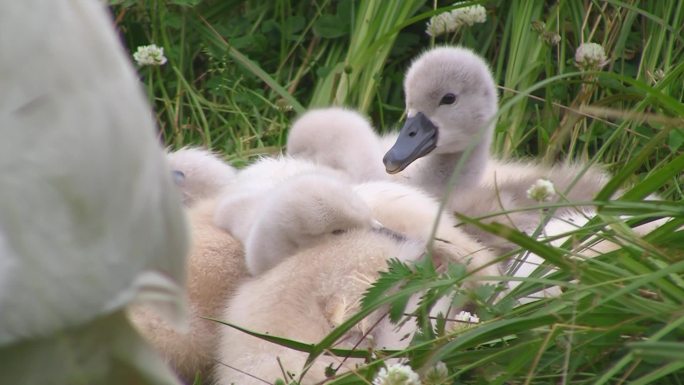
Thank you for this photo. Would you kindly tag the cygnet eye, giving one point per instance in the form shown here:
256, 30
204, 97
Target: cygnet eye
178, 177
448, 98
339, 231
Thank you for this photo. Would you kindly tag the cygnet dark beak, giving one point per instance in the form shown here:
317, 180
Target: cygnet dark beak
416, 139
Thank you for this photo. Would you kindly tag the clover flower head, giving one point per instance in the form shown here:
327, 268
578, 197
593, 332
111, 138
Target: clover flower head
283, 105
436, 375
397, 374
542, 190
538, 26
551, 38
655, 76
451, 21
466, 316
470, 15
441, 24
149, 55
590, 56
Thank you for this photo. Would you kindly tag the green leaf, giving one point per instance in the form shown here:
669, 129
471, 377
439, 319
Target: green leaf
293, 25
543, 250
398, 308
671, 351
296, 345
676, 139
331, 27
185, 3
397, 273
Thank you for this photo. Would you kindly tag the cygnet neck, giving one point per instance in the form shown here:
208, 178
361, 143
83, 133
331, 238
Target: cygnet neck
442, 166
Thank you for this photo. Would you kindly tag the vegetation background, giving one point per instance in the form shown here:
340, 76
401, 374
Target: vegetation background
239, 72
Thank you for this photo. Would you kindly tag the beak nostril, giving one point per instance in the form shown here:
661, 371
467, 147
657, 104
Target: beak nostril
416, 138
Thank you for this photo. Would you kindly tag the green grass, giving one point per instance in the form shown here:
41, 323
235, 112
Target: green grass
240, 72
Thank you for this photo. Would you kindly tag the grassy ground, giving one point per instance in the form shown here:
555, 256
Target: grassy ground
240, 72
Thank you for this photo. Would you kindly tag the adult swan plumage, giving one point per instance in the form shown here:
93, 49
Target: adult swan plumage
89, 216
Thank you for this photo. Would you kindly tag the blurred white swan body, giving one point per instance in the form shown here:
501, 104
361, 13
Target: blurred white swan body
89, 217
215, 267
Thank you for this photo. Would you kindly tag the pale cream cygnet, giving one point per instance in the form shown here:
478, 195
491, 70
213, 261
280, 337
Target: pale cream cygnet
303, 298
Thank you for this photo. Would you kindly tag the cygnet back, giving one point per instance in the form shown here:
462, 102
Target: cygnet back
504, 187
411, 211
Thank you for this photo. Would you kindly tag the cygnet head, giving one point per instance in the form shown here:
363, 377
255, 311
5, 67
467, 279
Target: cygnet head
338, 138
199, 173
450, 98
299, 213
316, 204
239, 203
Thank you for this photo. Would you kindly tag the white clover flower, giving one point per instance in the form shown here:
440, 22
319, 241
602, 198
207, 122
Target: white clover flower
551, 38
590, 56
542, 190
436, 375
149, 55
453, 20
539, 26
470, 15
656, 75
397, 374
465, 316
440, 24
